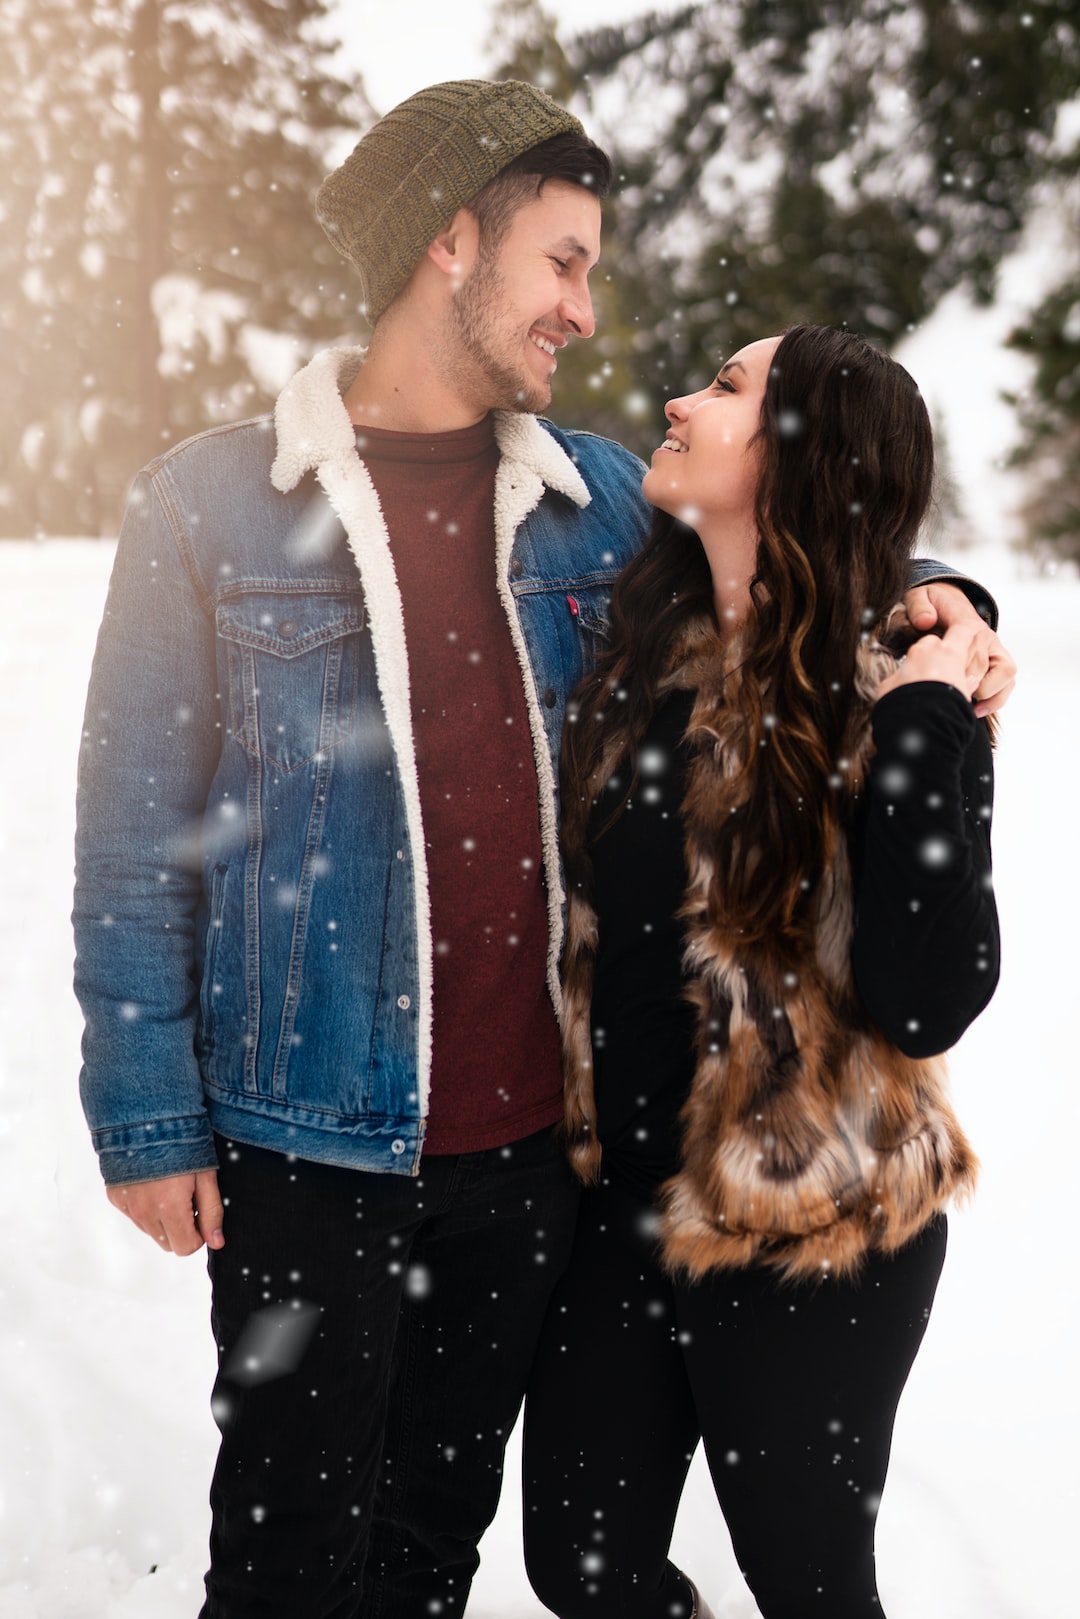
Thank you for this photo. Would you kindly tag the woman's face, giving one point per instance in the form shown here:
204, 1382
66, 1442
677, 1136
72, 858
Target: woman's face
706, 469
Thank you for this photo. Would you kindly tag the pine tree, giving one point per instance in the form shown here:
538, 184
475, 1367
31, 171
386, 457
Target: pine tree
159, 166
947, 529
1049, 451
1049, 409
844, 161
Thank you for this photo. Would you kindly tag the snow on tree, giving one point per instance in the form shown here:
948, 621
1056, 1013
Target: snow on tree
843, 161
1049, 411
158, 164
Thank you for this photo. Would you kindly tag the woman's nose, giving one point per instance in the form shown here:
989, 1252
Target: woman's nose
677, 410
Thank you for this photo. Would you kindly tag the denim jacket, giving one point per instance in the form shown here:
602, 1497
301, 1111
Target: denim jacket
253, 940
253, 943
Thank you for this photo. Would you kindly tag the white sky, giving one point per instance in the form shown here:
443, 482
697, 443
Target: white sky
401, 48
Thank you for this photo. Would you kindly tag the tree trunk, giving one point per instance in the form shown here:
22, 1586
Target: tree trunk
152, 229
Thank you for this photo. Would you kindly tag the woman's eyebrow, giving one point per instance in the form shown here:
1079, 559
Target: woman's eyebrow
730, 366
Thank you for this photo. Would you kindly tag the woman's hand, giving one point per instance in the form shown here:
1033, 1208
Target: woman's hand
944, 605
960, 658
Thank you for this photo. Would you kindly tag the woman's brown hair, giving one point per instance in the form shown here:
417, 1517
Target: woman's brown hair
846, 459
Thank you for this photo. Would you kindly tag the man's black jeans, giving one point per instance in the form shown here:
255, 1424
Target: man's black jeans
375, 1337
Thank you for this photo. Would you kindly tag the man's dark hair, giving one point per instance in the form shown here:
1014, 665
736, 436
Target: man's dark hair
572, 158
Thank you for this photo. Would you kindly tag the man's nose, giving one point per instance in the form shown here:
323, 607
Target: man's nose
576, 311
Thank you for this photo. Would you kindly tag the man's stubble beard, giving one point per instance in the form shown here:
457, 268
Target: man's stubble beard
474, 315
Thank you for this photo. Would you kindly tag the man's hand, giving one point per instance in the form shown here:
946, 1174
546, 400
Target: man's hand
942, 605
180, 1212
958, 658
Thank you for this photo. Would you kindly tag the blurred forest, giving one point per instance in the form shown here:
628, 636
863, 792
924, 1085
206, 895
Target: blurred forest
834, 160
158, 164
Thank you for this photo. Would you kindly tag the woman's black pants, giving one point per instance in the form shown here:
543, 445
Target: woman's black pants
792, 1388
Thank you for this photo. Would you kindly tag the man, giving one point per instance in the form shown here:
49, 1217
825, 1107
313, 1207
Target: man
318, 909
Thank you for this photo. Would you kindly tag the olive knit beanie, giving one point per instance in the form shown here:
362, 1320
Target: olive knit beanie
408, 176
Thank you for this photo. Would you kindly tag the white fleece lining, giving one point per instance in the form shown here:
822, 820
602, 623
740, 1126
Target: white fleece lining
314, 433
530, 457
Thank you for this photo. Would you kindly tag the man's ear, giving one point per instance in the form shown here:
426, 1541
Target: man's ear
454, 250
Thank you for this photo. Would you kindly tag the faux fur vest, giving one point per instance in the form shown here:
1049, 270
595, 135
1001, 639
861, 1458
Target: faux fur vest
808, 1139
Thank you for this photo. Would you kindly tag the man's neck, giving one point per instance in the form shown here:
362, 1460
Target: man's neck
401, 389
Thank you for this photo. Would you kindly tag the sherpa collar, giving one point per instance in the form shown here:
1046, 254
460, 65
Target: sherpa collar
315, 434
314, 430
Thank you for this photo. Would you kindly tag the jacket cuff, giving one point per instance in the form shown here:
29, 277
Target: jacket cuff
156, 1150
925, 571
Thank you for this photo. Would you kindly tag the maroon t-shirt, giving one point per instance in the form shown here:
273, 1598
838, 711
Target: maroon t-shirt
496, 1067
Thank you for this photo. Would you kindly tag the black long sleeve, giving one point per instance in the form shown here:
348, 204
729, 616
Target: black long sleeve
926, 947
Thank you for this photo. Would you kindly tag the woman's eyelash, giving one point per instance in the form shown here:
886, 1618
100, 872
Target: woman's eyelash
725, 383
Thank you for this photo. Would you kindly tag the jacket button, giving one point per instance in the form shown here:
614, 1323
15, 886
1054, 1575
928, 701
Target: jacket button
287, 628
404, 1002
550, 697
517, 567
397, 1148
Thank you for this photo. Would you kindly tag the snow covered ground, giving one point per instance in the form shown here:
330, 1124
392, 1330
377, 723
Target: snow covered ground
106, 1443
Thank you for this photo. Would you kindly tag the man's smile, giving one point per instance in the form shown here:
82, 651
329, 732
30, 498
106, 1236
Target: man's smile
548, 344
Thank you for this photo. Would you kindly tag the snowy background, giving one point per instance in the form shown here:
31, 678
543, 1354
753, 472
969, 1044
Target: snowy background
105, 1350
106, 1443
449, 42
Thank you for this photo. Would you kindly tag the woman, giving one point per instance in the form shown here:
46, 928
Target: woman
776, 825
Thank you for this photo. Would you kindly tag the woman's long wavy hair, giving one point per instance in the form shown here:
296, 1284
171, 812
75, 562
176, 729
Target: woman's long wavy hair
846, 469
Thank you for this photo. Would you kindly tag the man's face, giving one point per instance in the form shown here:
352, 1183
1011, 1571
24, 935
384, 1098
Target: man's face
523, 302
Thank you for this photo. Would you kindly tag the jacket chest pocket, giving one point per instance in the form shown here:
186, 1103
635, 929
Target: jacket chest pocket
589, 610
293, 672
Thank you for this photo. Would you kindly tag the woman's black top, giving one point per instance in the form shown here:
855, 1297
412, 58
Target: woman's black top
925, 946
